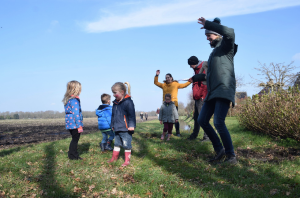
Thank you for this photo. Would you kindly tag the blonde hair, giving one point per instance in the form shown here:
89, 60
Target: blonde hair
73, 90
122, 86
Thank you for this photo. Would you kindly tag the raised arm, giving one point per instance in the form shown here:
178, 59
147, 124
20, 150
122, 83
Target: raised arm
156, 82
183, 85
227, 33
199, 77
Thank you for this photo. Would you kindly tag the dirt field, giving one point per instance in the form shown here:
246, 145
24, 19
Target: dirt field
20, 132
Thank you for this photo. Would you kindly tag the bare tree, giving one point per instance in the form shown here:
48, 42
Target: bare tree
239, 81
280, 73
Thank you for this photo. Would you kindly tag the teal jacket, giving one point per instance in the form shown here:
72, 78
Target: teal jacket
220, 74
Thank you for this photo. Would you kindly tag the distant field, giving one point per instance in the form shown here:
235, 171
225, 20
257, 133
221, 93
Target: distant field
27, 131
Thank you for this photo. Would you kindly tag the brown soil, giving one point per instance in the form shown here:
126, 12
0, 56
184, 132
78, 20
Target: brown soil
275, 154
21, 132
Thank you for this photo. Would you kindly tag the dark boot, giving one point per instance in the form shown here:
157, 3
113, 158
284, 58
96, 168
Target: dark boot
205, 138
218, 156
108, 147
102, 146
230, 159
191, 138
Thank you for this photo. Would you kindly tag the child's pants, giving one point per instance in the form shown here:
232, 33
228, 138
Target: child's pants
168, 127
106, 134
123, 139
73, 154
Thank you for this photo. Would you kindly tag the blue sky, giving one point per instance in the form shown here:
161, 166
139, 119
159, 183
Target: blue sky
45, 44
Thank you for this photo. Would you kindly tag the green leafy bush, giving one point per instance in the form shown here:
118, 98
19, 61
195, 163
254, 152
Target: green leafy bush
276, 114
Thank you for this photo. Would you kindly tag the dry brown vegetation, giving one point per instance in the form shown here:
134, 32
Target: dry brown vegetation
276, 114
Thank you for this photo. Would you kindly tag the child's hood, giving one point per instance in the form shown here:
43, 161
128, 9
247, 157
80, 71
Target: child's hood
127, 97
103, 108
170, 103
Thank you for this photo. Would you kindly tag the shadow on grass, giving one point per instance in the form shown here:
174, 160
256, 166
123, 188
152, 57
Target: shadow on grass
12, 150
48, 181
83, 148
238, 181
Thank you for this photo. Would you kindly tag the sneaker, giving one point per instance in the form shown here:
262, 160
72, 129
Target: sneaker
218, 156
230, 159
178, 135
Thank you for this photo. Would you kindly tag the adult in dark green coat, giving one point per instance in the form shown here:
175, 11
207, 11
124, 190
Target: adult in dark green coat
221, 87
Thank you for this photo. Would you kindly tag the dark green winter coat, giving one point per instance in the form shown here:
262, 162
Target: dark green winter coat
220, 74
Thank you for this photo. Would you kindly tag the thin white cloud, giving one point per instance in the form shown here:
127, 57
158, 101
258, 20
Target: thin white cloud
179, 12
296, 57
53, 25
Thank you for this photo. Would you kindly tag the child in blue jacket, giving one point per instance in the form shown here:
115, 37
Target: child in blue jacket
73, 116
104, 120
123, 121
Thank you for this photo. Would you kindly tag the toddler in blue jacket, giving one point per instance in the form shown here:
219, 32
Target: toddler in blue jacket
104, 112
123, 121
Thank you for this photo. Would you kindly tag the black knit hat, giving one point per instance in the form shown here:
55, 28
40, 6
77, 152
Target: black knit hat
193, 60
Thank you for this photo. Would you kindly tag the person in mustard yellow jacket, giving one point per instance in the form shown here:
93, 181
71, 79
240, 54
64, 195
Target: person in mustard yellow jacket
171, 86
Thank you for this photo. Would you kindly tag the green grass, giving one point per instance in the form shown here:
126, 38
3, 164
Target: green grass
177, 168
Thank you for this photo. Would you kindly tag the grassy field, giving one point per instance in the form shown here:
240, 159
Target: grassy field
177, 168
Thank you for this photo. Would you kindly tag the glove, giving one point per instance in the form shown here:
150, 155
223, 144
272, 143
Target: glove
199, 77
80, 130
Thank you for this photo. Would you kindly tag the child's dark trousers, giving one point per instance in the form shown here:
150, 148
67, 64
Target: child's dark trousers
73, 154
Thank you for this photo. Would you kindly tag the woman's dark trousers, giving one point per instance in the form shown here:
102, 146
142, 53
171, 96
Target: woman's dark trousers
219, 108
73, 154
197, 110
177, 126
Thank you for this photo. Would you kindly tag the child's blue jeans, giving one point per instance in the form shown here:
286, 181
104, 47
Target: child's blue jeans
123, 139
106, 134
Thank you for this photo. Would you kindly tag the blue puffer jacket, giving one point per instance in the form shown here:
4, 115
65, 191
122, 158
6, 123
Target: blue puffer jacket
123, 115
73, 114
104, 116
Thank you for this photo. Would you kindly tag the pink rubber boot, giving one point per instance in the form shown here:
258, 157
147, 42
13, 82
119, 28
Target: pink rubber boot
127, 158
163, 136
169, 135
114, 156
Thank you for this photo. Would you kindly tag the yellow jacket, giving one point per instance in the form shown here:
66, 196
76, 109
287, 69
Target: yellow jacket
171, 88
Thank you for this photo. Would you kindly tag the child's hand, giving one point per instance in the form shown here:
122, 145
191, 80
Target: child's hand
80, 130
130, 128
176, 121
160, 122
112, 129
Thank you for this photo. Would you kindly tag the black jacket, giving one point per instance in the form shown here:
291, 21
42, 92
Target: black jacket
123, 115
220, 77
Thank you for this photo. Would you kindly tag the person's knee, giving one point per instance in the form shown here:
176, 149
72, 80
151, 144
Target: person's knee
201, 121
127, 145
219, 124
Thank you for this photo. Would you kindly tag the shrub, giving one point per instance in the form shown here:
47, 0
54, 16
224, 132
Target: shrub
276, 114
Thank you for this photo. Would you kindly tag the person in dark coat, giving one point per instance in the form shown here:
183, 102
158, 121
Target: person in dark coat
221, 85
